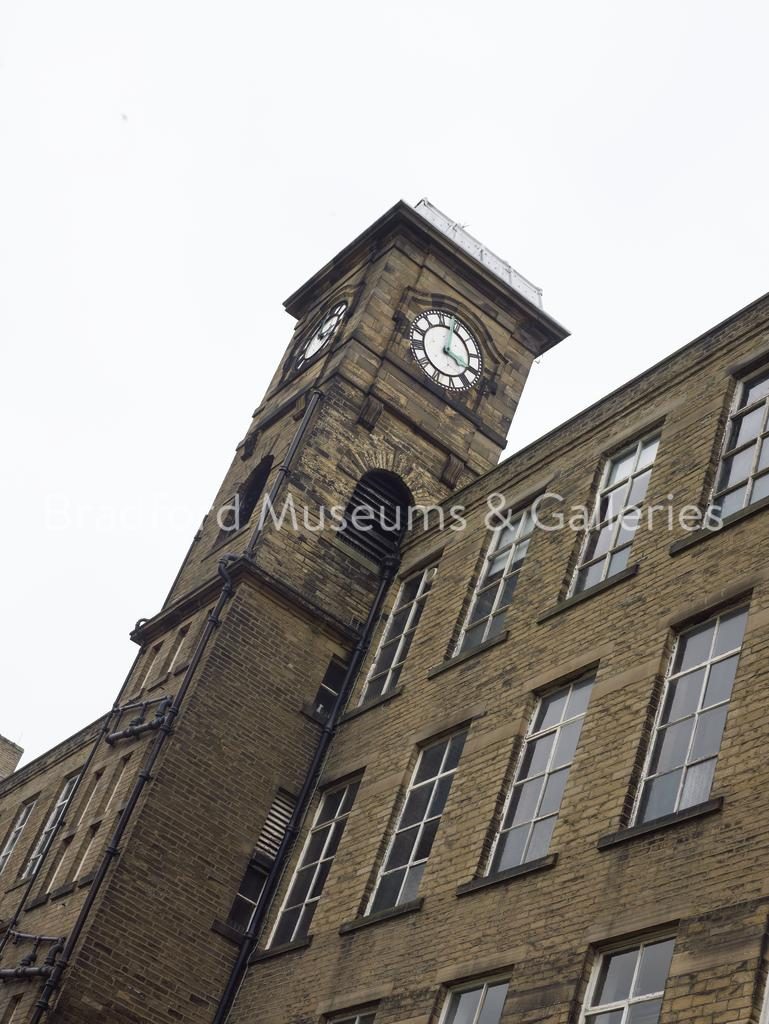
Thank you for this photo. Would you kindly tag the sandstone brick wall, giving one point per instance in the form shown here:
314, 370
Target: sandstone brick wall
703, 880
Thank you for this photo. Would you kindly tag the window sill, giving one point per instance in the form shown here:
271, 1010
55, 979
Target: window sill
375, 703
585, 595
86, 880
458, 659
699, 535
382, 915
228, 932
625, 834
309, 710
17, 885
156, 684
38, 901
63, 890
533, 866
288, 947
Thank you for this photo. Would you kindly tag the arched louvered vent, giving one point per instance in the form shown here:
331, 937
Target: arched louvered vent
376, 516
276, 824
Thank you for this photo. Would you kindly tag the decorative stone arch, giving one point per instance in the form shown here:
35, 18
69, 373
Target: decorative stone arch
370, 456
376, 516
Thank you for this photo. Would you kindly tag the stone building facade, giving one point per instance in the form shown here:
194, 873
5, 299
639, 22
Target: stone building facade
505, 766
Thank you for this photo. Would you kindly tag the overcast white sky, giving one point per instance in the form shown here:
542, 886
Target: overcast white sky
171, 170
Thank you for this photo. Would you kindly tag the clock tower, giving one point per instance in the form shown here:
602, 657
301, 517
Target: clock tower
420, 340
409, 355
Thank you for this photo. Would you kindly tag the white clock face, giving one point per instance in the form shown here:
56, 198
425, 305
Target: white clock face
323, 334
446, 350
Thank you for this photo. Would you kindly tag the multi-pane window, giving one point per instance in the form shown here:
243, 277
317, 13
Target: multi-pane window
410, 844
535, 799
743, 475
692, 715
266, 850
616, 515
355, 1018
329, 688
311, 872
13, 837
479, 1004
398, 634
497, 580
245, 903
629, 985
44, 840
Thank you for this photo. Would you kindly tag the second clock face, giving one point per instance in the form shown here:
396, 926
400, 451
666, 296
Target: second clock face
325, 331
446, 350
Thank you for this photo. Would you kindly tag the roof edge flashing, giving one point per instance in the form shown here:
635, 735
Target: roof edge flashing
479, 252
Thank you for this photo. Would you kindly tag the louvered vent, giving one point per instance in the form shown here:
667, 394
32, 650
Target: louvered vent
276, 824
376, 515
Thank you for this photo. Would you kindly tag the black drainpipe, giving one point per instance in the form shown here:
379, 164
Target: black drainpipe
54, 978
387, 573
284, 469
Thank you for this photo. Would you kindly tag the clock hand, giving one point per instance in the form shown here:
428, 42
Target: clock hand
447, 349
447, 346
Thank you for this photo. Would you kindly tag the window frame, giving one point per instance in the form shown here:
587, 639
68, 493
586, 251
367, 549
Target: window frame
257, 868
347, 787
596, 525
327, 695
353, 1017
406, 636
420, 823
761, 438
484, 984
529, 737
525, 514
55, 815
660, 710
20, 822
626, 946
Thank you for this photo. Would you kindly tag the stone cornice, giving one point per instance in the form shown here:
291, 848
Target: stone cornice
542, 330
241, 571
